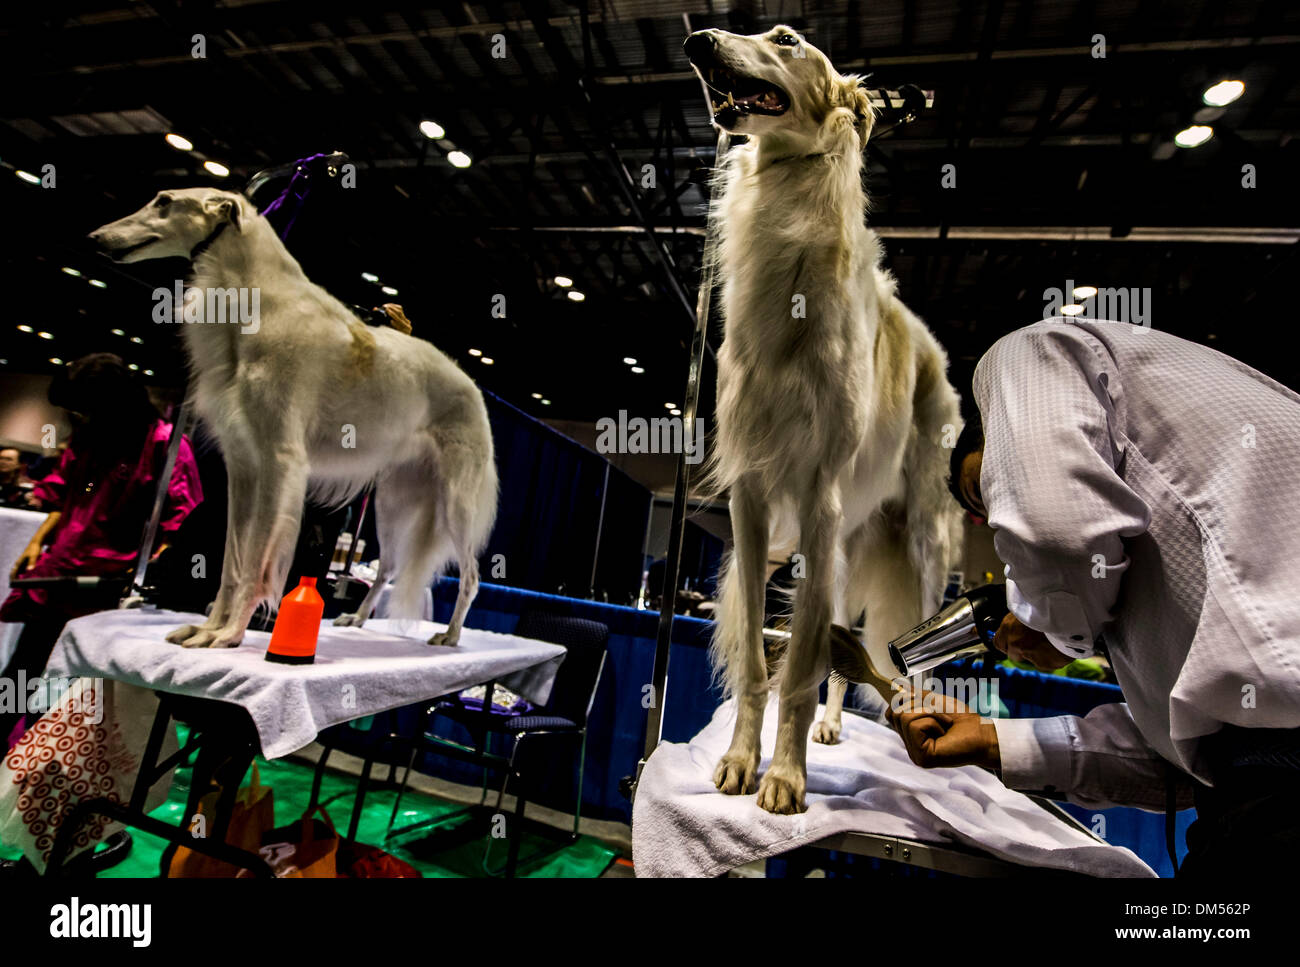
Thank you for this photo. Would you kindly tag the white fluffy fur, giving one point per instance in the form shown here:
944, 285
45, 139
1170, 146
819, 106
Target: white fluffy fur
831, 426
279, 400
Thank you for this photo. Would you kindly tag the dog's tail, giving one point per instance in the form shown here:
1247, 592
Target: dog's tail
456, 512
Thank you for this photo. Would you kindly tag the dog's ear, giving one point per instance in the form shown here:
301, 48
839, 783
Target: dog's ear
226, 209
848, 92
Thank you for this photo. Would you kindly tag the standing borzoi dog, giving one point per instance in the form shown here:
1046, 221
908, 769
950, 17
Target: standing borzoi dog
308, 396
833, 400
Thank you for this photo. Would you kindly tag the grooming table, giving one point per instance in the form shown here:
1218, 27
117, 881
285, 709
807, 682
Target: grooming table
238, 704
865, 796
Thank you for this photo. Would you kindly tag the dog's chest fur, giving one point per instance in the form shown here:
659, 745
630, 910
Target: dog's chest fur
799, 299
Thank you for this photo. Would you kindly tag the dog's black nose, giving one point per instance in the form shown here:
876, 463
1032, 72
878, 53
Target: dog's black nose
699, 45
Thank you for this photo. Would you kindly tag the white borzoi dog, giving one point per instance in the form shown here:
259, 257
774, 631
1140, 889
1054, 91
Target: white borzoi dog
833, 400
307, 397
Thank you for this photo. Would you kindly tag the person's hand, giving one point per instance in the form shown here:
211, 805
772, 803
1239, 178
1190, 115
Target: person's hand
1019, 642
26, 560
944, 739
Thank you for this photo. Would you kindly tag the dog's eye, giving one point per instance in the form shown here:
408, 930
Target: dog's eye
786, 40
162, 203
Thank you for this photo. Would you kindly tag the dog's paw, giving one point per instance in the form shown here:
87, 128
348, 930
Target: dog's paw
782, 794
445, 639
182, 634
735, 774
826, 733
213, 638
349, 621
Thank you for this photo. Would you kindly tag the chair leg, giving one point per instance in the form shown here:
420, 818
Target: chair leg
582, 768
317, 777
516, 836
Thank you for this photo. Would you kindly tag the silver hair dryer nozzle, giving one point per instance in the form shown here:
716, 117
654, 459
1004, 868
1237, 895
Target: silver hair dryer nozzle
964, 627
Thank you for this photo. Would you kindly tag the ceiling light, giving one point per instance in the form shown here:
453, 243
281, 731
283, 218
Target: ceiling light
459, 159
117, 332
630, 361
546, 402
1195, 135
563, 281
537, 396
179, 143
675, 412
432, 130
216, 168
370, 276
487, 360
27, 176
637, 369
1085, 291
46, 335
72, 272
137, 340
670, 406
56, 360
1224, 92
24, 328
148, 372
476, 352
98, 285
132, 366
388, 290
1071, 310
575, 295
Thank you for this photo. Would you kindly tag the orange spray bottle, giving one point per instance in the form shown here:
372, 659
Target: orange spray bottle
293, 639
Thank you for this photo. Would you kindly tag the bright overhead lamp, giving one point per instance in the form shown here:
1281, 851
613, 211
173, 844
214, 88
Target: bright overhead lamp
670, 406
1071, 310
637, 369
487, 360
1085, 291
46, 335
546, 402
476, 352
97, 284
575, 296
459, 159
432, 130
133, 366
117, 332
56, 360
537, 396
216, 168
675, 412
1197, 134
1224, 92
23, 327
148, 372
563, 281
27, 176
137, 340
179, 143
388, 290
629, 360
370, 276
72, 272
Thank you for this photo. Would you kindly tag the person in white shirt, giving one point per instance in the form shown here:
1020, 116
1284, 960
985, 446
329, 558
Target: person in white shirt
1145, 493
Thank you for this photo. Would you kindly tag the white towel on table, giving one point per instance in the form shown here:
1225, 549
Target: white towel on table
682, 826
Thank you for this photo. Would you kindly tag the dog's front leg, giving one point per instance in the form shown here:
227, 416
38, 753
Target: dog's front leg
741, 638
782, 787
238, 491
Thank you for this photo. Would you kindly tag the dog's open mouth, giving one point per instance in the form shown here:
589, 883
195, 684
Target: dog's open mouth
734, 95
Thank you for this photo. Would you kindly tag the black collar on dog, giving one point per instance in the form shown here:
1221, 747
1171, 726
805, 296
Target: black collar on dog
207, 242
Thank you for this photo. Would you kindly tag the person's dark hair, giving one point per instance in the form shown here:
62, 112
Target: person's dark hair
970, 440
113, 405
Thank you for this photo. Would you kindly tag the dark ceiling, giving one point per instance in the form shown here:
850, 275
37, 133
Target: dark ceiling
1065, 168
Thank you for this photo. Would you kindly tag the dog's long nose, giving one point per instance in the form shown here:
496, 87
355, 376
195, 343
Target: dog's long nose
700, 44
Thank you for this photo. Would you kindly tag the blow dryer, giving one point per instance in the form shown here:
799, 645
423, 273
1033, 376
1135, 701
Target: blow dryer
964, 627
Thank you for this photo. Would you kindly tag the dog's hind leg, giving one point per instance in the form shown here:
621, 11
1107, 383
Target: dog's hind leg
459, 523
738, 643
782, 787
388, 511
